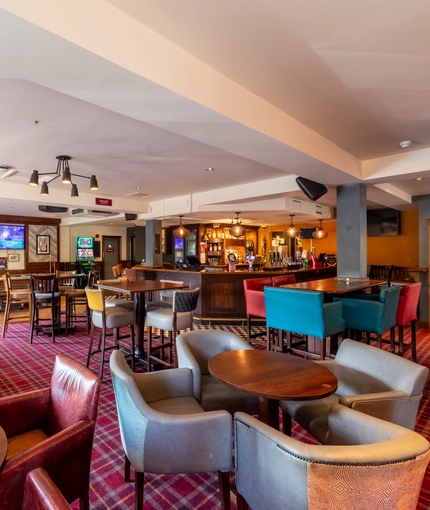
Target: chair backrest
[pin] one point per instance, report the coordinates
(185, 300)
(299, 311)
(7, 283)
(408, 304)
(254, 295)
(168, 293)
(116, 273)
(75, 394)
(66, 279)
(363, 369)
(390, 299)
(41, 493)
(131, 274)
(256, 284)
(95, 299)
(44, 283)
(284, 279)
(370, 461)
(381, 272)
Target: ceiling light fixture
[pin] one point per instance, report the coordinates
(419, 178)
(292, 231)
(181, 231)
(210, 169)
(320, 233)
(237, 230)
(405, 144)
(63, 169)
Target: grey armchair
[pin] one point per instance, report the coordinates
(368, 463)
(164, 430)
(194, 349)
(370, 380)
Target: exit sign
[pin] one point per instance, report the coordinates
(104, 201)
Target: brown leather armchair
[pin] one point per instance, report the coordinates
(52, 428)
(41, 493)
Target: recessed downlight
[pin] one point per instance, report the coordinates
(405, 144)
(419, 178)
(210, 169)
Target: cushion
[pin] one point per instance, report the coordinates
(177, 405)
(22, 442)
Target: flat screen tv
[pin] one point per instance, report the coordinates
(85, 254)
(383, 222)
(12, 237)
(85, 242)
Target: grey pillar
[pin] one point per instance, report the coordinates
(351, 231)
(423, 219)
(154, 257)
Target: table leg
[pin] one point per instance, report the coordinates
(139, 323)
(268, 411)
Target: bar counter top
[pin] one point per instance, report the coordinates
(222, 298)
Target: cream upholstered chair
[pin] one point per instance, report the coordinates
(105, 318)
(370, 380)
(194, 349)
(367, 464)
(164, 430)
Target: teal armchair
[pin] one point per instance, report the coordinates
(371, 313)
(303, 312)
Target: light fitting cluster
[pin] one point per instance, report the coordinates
(63, 169)
(237, 230)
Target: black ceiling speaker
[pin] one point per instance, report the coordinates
(54, 209)
(313, 190)
(130, 217)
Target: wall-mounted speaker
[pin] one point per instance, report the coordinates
(97, 251)
(130, 217)
(313, 190)
(52, 209)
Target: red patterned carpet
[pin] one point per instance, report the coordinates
(24, 367)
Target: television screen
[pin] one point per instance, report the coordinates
(12, 237)
(85, 242)
(85, 254)
(383, 222)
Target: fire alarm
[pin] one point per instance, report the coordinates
(97, 236)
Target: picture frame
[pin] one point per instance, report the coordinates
(13, 257)
(3, 263)
(43, 245)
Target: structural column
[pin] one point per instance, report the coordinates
(153, 253)
(351, 231)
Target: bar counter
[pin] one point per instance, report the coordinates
(222, 298)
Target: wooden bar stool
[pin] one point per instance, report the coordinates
(20, 295)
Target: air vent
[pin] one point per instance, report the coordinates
(53, 209)
(89, 213)
(139, 194)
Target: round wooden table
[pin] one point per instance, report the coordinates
(3, 446)
(272, 376)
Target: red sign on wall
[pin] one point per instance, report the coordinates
(104, 201)
(110, 250)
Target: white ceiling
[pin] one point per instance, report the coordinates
(147, 94)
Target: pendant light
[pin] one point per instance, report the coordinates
(237, 230)
(320, 233)
(181, 231)
(292, 231)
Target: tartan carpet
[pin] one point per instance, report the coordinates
(25, 366)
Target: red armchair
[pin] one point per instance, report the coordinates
(254, 300)
(406, 314)
(284, 279)
(41, 493)
(52, 428)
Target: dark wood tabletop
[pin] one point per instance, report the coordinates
(273, 375)
(334, 286)
(3, 446)
(138, 286)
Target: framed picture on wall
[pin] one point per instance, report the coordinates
(3, 263)
(43, 245)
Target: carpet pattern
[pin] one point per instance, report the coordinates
(24, 367)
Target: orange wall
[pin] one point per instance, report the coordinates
(401, 250)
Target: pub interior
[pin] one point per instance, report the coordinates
(214, 255)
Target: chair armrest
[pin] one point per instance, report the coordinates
(187, 360)
(25, 411)
(330, 364)
(350, 400)
(361, 314)
(333, 322)
(65, 456)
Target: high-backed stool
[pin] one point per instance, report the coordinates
(21, 295)
(45, 296)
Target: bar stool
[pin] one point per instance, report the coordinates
(21, 295)
(45, 296)
(113, 317)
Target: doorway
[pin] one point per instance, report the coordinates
(111, 254)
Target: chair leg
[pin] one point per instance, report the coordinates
(248, 328)
(132, 346)
(414, 341)
(84, 502)
(53, 320)
(393, 340)
(323, 346)
(127, 478)
(90, 346)
(379, 341)
(139, 481)
(149, 347)
(241, 503)
(224, 489)
(102, 353)
(286, 423)
(32, 319)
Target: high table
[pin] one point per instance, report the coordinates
(3, 446)
(335, 286)
(272, 376)
(138, 289)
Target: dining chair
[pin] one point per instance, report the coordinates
(195, 348)
(302, 312)
(373, 314)
(105, 318)
(66, 280)
(173, 320)
(164, 429)
(51, 428)
(255, 307)
(406, 314)
(45, 298)
(41, 493)
(370, 380)
(368, 463)
(18, 296)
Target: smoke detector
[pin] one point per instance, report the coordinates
(405, 144)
